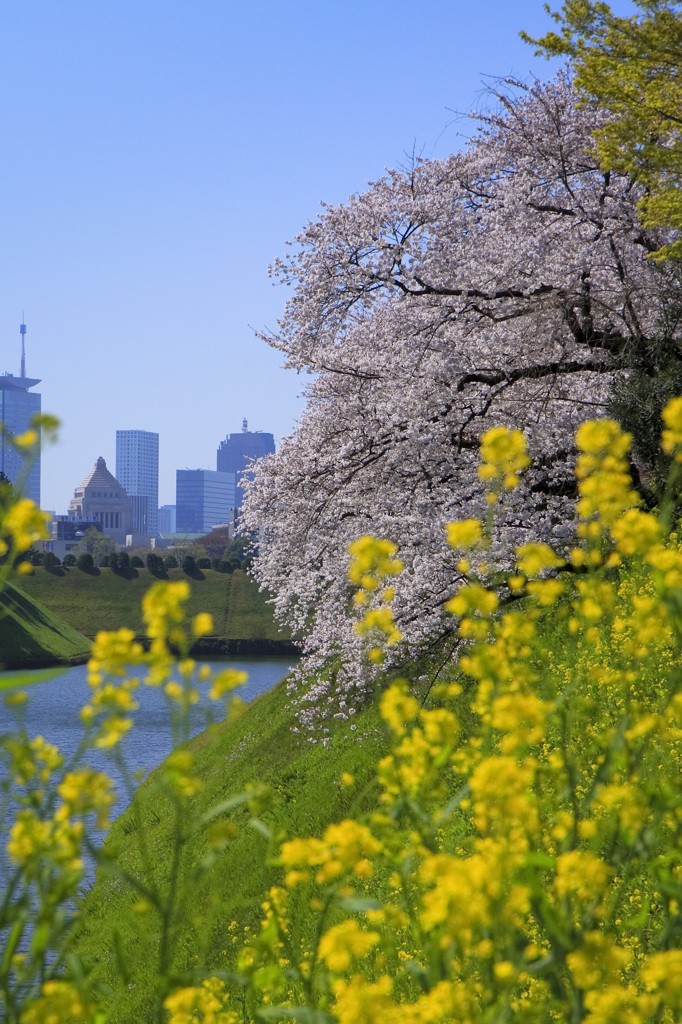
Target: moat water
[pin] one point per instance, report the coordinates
(54, 706)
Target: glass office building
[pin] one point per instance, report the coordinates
(166, 519)
(235, 452)
(137, 469)
(18, 405)
(203, 499)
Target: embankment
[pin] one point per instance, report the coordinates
(103, 599)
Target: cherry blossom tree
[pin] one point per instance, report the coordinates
(507, 284)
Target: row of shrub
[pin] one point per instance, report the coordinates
(121, 561)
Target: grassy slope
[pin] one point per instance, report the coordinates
(108, 601)
(32, 634)
(306, 795)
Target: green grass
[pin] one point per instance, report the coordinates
(33, 635)
(305, 795)
(106, 600)
(222, 907)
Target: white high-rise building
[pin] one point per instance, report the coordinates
(137, 469)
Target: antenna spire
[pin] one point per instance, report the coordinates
(22, 332)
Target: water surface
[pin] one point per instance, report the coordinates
(54, 706)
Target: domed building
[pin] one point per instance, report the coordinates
(101, 498)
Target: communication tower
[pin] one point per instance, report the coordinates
(22, 332)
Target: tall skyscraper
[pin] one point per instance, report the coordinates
(203, 499)
(236, 450)
(17, 408)
(137, 469)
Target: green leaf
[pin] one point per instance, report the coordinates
(419, 973)
(260, 826)
(539, 860)
(359, 904)
(12, 943)
(305, 1014)
(453, 804)
(14, 680)
(223, 807)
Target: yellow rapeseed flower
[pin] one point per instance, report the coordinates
(464, 534)
(60, 1002)
(202, 624)
(473, 599)
(503, 456)
(226, 681)
(534, 557)
(345, 941)
(27, 439)
(671, 439)
(85, 791)
(201, 1004)
(26, 524)
(636, 532)
(372, 559)
(361, 1002)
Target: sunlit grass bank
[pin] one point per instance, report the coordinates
(33, 635)
(107, 600)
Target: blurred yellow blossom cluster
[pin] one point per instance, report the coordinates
(603, 474)
(671, 441)
(372, 561)
(22, 523)
(200, 1003)
(503, 458)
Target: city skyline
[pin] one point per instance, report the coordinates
(130, 473)
(158, 156)
(133, 471)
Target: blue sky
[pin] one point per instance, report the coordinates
(157, 154)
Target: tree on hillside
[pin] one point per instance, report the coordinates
(120, 562)
(189, 565)
(215, 542)
(155, 563)
(95, 543)
(632, 68)
(239, 552)
(508, 284)
(51, 562)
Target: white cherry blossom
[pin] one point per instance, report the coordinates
(506, 284)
